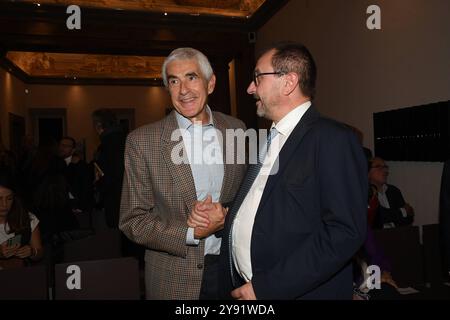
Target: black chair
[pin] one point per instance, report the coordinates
(103, 245)
(403, 249)
(115, 279)
(434, 271)
(27, 283)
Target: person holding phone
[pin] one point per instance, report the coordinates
(20, 237)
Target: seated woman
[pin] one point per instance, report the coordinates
(20, 238)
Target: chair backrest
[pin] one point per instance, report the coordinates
(403, 249)
(27, 283)
(434, 271)
(102, 245)
(98, 280)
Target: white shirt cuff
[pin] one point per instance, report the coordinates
(404, 214)
(190, 240)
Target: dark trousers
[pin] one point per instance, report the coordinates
(210, 281)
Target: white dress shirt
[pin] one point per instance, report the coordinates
(206, 160)
(245, 217)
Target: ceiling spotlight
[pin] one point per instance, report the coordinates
(74, 78)
(165, 13)
(38, 4)
(26, 91)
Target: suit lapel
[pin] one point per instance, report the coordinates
(228, 169)
(307, 121)
(181, 173)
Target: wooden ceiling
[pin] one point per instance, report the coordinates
(227, 8)
(123, 46)
(70, 65)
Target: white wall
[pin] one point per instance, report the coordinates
(360, 71)
(80, 101)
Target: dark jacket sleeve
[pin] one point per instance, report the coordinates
(394, 214)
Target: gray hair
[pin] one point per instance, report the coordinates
(188, 54)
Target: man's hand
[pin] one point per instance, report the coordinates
(206, 218)
(8, 251)
(244, 292)
(199, 214)
(409, 209)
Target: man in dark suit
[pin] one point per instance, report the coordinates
(109, 159)
(444, 219)
(295, 224)
(392, 211)
(77, 176)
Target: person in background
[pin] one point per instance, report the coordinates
(20, 237)
(392, 211)
(77, 176)
(109, 163)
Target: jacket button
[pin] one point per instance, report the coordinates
(200, 266)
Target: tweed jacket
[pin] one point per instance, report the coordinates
(157, 197)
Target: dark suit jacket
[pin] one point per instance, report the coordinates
(444, 219)
(80, 185)
(111, 161)
(392, 214)
(312, 217)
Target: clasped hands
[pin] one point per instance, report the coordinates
(15, 251)
(206, 217)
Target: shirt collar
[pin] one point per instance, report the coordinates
(185, 123)
(289, 121)
(68, 160)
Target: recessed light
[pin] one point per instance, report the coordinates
(165, 13)
(26, 91)
(38, 4)
(74, 78)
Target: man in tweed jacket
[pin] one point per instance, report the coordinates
(159, 193)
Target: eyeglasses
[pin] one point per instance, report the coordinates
(256, 75)
(381, 167)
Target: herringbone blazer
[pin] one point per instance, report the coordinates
(158, 196)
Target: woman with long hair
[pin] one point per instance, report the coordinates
(20, 237)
